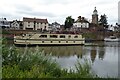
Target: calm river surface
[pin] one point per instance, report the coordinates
(104, 60)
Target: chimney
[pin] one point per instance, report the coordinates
(83, 18)
(79, 17)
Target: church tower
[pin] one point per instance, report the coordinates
(95, 16)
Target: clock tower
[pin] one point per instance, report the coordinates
(95, 16)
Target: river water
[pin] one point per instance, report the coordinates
(104, 60)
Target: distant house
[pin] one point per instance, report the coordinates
(16, 24)
(114, 28)
(111, 28)
(54, 26)
(35, 24)
(49, 27)
(81, 23)
(4, 23)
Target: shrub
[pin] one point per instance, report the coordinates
(35, 64)
(25, 62)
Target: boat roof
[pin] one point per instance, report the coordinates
(52, 33)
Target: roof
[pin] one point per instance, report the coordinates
(81, 20)
(35, 20)
(55, 23)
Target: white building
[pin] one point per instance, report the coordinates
(35, 24)
(55, 24)
(81, 23)
(4, 23)
(111, 28)
(16, 24)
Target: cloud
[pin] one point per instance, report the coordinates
(35, 13)
(10, 16)
(51, 2)
(58, 10)
(23, 7)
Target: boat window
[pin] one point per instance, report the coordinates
(51, 41)
(62, 36)
(53, 36)
(43, 36)
(59, 41)
(75, 36)
(29, 34)
(66, 41)
(42, 41)
(74, 41)
(69, 36)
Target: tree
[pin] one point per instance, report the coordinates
(69, 22)
(103, 20)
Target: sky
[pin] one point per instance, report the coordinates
(58, 10)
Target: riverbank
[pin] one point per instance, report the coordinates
(9, 35)
(35, 64)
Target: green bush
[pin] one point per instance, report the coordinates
(90, 35)
(13, 59)
(35, 64)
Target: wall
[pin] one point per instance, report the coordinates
(81, 25)
(37, 25)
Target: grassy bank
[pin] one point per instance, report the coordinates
(35, 64)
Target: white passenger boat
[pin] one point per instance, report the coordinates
(111, 38)
(49, 39)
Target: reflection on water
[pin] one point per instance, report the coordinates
(101, 53)
(104, 60)
(93, 55)
(64, 51)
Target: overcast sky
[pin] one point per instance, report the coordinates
(58, 10)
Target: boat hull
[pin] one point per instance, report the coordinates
(24, 45)
(49, 42)
(111, 40)
(49, 39)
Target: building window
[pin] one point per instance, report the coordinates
(62, 36)
(40, 29)
(45, 27)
